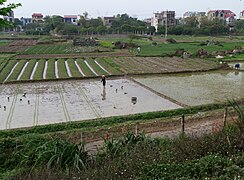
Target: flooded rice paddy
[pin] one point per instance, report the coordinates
(233, 65)
(65, 101)
(198, 88)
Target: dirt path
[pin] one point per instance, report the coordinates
(196, 125)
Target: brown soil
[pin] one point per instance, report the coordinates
(24, 43)
(13, 49)
(195, 125)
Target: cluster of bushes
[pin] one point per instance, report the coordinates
(130, 157)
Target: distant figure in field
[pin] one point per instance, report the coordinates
(4, 107)
(8, 99)
(103, 80)
(24, 95)
(237, 66)
(28, 101)
(138, 50)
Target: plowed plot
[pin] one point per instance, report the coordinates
(12, 49)
(141, 65)
(23, 43)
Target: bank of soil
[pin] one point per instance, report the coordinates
(195, 125)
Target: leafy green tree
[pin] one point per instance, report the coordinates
(191, 22)
(53, 23)
(151, 30)
(101, 29)
(239, 26)
(5, 10)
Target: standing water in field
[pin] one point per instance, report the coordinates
(198, 88)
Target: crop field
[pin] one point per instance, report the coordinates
(64, 49)
(39, 69)
(12, 49)
(57, 102)
(164, 49)
(139, 65)
(23, 43)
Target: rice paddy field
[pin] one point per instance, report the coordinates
(65, 101)
(198, 88)
(81, 96)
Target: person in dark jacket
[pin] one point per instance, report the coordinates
(103, 80)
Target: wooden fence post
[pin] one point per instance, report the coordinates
(225, 116)
(136, 129)
(183, 123)
(81, 137)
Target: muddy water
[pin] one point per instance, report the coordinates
(233, 65)
(65, 101)
(198, 88)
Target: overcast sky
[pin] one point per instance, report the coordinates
(136, 8)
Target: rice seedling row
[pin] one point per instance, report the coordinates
(97, 68)
(5, 73)
(73, 68)
(22, 71)
(62, 71)
(29, 69)
(50, 74)
(87, 71)
(39, 71)
(17, 70)
(107, 64)
(67, 68)
(89, 66)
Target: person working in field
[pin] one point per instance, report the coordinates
(103, 80)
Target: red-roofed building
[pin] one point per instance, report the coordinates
(37, 18)
(72, 19)
(227, 15)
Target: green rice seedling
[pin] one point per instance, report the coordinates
(27, 73)
(5, 72)
(109, 65)
(51, 69)
(39, 71)
(96, 68)
(85, 68)
(17, 70)
(62, 71)
(74, 70)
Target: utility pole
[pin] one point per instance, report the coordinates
(166, 25)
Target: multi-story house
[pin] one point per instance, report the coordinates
(107, 21)
(193, 14)
(227, 15)
(37, 18)
(25, 21)
(163, 18)
(72, 19)
(242, 15)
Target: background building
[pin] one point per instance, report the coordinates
(71, 19)
(163, 18)
(37, 18)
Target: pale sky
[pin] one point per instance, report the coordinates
(136, 8)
